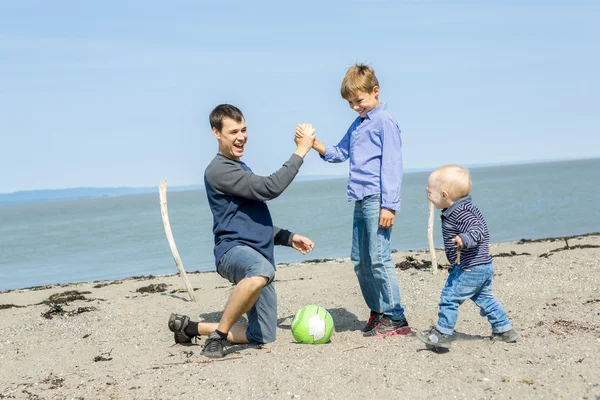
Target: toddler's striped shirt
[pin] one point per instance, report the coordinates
(463, 218)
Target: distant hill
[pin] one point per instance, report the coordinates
(43, 196)
(48, 195)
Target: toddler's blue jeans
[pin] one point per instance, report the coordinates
(474, 283)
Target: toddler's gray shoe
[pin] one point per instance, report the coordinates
(177, 324)
(434, 338)
(508, 336)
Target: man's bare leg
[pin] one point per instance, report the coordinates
(242, 299)
(237, 333)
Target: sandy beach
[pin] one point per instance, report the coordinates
(107, 340)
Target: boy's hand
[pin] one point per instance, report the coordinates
(304, 138)
(302, 244)
(459, 242)
(386, 218)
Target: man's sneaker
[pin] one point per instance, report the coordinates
(508, 337)
(373, 321)
(434, 338)
(388, 327)
(177, 324)
(213, 347)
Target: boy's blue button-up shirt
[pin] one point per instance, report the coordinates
(374, 147)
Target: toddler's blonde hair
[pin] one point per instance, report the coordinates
(455, 180)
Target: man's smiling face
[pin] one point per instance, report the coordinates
(232, 138)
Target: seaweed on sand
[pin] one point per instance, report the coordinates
(153, 288)
(66, 297)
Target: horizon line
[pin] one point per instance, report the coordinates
(308, 177)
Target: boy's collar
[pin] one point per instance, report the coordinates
(447, 211)
(376, 110)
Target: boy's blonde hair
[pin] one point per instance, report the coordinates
(358, 78)
(455, 180)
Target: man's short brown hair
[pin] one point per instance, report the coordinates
(224, 111)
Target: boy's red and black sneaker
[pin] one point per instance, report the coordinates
(373, 321)
(389, 327)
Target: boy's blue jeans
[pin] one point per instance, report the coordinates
(371, 256)
(475, 283)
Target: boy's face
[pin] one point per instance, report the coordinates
(232, 138)
(435, 194)
(365, 102)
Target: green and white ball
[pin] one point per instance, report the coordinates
(312, 325)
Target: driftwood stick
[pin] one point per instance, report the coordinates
(354, 348)
(162, 191)
(203, 361)
(434, 266)
(457, 256)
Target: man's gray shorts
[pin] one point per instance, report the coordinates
(243, 262)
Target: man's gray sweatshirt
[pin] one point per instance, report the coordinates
(237, 199)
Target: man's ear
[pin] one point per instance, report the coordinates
(216, 133)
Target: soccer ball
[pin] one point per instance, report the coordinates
(312, 325)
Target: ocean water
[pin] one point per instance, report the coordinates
(117, 237)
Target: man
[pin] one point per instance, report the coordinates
(244, 236)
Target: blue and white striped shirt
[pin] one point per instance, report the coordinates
(374, 147)
(464, 219)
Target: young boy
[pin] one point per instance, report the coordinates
(464, 230)
(374, 147)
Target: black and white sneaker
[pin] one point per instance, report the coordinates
(177, 324)
(214, 346)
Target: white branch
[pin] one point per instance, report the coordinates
(162, 191)
(434, 266)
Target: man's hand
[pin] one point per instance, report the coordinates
(386, 218)
(300, 129)
(304, 138)
(459, 242)
(302, 244)
(317, 145)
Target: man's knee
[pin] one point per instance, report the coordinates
(269, 338)
(256, 282)
(261, 337)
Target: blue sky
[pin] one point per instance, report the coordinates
(117, 93)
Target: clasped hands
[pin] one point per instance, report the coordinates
(304, 138)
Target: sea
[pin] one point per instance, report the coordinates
(110, 238)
